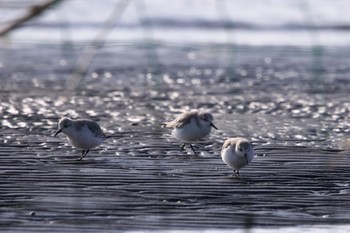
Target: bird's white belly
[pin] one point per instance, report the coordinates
(85, 139)
(232, 159)
(191, 132)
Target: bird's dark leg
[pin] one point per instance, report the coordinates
(83, 153)
(236, 172)
(193, 149)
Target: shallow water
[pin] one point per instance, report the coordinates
(292, 104)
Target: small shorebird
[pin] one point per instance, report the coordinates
(191, 126)
(237, 153)
(82, 134)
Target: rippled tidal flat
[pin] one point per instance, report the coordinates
(293, 103)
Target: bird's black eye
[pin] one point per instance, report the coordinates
(240, 149)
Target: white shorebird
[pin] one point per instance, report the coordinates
(237, 153)
(191, 126)
(82, 134)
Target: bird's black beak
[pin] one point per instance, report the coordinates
(212, 125)
(58, 131)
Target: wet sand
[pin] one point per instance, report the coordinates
(291, 102)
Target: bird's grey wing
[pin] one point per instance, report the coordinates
(181, 120)
(230, 142)
(95, 128)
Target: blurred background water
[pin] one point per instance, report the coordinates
(253, 22)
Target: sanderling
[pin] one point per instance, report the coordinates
(237, 153)
(191, 126)
(82, 134)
